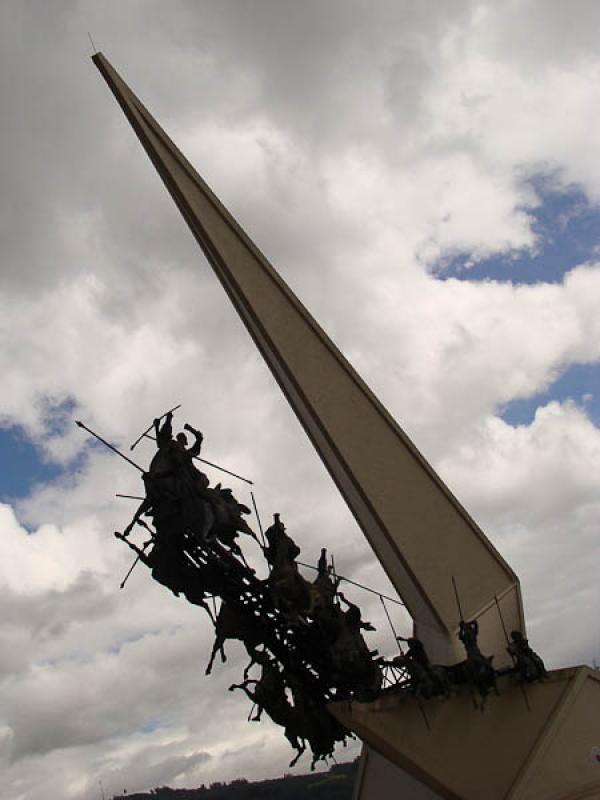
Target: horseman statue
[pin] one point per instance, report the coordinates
(178, 495)
(304, 637)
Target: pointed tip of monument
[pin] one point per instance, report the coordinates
(94, 48)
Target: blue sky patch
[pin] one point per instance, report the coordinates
(22, 465)
(151, 726)
(567, 227)
(580, 383)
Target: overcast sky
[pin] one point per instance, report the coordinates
(426, 177)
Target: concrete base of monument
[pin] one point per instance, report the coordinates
(537, 743)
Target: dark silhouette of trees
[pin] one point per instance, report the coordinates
(336, 784)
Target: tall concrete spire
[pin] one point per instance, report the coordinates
(419, 531)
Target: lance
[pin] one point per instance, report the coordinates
(260, 527)
(222, 469)
(502, 620)
(130, 496)
(131, 545)
(354, 583)
(139, 552)
(110, 446)
(462, 619)
(210, 463)
(419, 701)
(389, 619)
(139, 439)
(131, 568)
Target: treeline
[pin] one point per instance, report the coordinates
(336, 784)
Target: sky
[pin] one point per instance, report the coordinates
(425, 177)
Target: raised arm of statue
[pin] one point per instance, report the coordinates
(164, 435)
(194, 450)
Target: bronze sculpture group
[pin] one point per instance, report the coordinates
(304, 638)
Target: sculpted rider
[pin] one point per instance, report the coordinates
(467, 633)
(415, 650)
(181, 455)
(529, 665)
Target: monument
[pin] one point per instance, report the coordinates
(535, 741)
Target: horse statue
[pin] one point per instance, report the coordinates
(232, 623)
(426, 682)
(351, 660)
(269, 694)
(312, 722)
(228, 522)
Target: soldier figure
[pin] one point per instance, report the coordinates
(289, 591)
(181, 455)
(477, 669)
(427, 680)
(416, 650)
(281, 547)
(325, 584)
(322, 563)
(467, 633)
